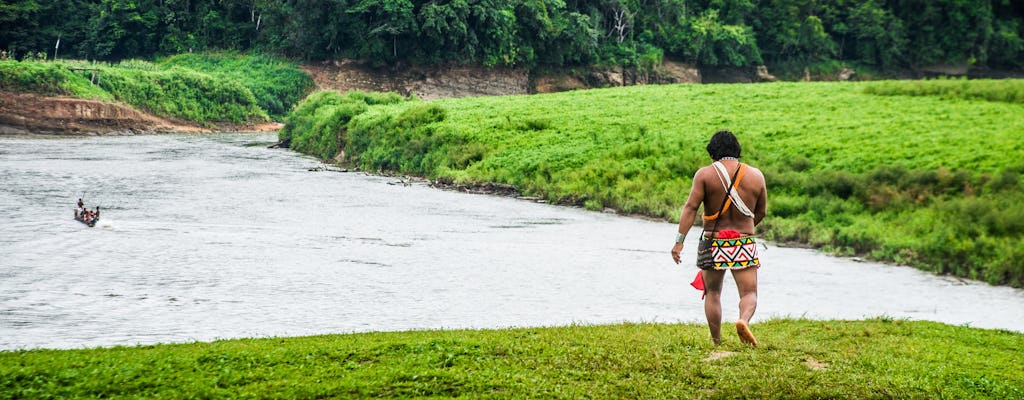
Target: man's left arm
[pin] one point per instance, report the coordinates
(762, 202)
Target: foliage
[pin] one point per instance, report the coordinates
(874, 34)
(402, 141)
(205, 88)
(183, 93)
(946, 30)
(719, 44)
(878, 358)
(317, 124)
(927, 181)
(276, 84)
(47, 78)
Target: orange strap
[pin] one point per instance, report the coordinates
(728, 200)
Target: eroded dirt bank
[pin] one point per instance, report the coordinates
(25, 113)
(450, 81)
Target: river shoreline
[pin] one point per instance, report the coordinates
(34, 114)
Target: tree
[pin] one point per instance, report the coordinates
(444, 29)
(620, 20)
(719, 44)
(386, 18)
(875, 35)
(945, 31)
(20, 26)
(123, 29)
(492, 24)
(793, 31)
(1007, 47)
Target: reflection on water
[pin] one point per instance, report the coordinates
(207, 237)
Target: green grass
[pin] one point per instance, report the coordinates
(879, 358)
(1010, 91)
(47, 79)
(277, 84)
(204, 88)
(929, 181)
(183, 93)
(317, 123)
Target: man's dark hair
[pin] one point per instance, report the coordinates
(724, 144)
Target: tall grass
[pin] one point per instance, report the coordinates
(49, 79)
(879, 358)
(183, 93)
(317, 125)
(920, 180)
(277, 84)
(1010, 91)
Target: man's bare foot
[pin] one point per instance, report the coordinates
(746, 336)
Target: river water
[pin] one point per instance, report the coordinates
(207, 237)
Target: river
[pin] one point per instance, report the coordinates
(207, 237)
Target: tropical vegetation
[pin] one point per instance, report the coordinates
(922, 173)
(204, 88)
(784, 34)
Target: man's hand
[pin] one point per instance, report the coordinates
(675, 252)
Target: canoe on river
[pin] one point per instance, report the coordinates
(82, 217)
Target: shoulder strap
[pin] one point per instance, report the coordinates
(724, 201)
(728, 194)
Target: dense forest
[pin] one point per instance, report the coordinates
(876, 34)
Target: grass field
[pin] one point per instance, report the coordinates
(879, 358)
(913, 174)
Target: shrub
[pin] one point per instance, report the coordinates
(183, 93)
(318, 125)
(276, 84)
(47, 78)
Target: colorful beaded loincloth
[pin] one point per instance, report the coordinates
(738, 253)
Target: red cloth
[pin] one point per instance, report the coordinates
(728, 234)
(698, 282)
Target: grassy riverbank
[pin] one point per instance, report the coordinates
(202, 88)
(924, 177)
(798, 359)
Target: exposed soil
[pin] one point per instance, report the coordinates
(452, 81)
(444, 81)
(25, 113)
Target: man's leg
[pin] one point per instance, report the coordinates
(746, 283)
(713, 302)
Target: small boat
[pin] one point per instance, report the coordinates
(81, 216)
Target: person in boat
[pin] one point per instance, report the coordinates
(97, 213)
(81, 205)
(734, 247)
